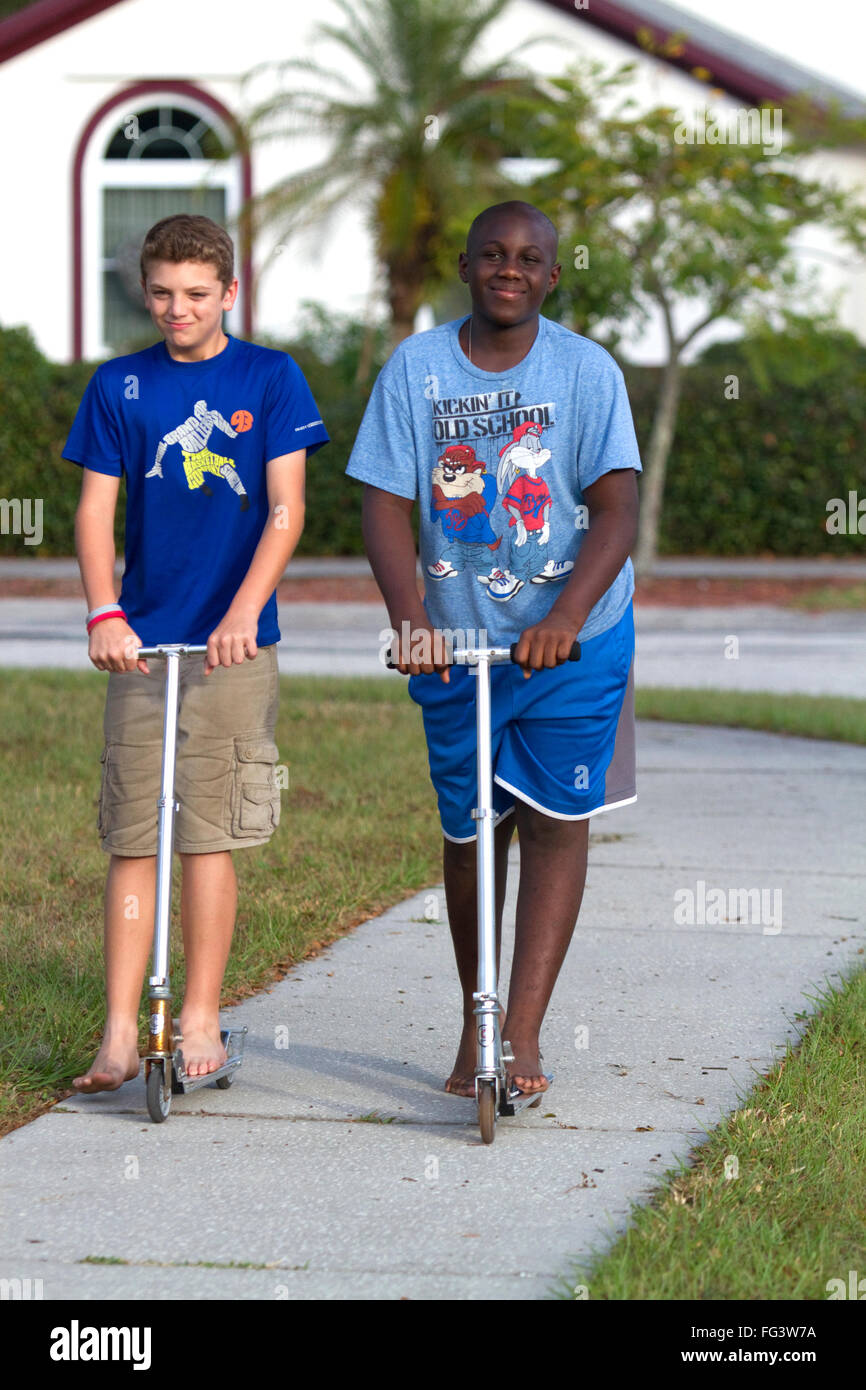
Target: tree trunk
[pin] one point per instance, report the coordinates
(653, 485)
(408, 271)
(401, 328)
(365, 356)
(405, 296)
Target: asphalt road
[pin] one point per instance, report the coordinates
(753, 647)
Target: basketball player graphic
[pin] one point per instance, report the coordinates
(193, 436)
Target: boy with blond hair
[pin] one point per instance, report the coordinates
(211, 434)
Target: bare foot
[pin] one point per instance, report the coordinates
(202, 1049)
(461, 1082)
(113, 1066)
(525, 1071)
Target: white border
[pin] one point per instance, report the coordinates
(558, 815)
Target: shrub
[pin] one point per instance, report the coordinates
(746, 476)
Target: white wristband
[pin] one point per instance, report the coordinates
(106, 608)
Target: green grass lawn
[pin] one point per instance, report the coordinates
(826, 598)
(794, 1217)
(789, 1214)
(358, 832)
(807, 716)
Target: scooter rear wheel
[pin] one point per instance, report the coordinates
(487, 1110)
(158, 1103)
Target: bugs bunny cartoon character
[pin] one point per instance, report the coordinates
(526, 497)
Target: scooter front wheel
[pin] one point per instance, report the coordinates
(158, 1103)
(487, 1110)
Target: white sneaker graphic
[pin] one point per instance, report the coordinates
(506, 587)
(441, 570)
(554, 569)
(489, 578)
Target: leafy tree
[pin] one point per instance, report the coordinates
(656, 221)
(420, 148)
(697, 231)
(798, 351)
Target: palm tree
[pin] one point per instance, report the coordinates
(421, 148)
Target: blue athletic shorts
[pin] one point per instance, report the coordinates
(562, 741)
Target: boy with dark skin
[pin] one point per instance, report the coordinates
(510, 266)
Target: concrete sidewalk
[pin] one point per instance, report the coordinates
(655, 1026)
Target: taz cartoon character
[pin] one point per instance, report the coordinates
(528, 502)
(462, 498)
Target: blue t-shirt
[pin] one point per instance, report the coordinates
(500, 461)
(194, 440)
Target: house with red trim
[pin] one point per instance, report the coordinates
(118, 112)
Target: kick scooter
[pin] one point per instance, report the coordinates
(493, 1093)
(164, 1070)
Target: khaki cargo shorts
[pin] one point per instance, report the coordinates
(226, 755)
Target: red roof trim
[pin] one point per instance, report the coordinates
(123, 97)
(42, 21)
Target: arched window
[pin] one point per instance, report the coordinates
(165, 132)
(159, 156)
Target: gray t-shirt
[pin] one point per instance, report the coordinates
(499, 462)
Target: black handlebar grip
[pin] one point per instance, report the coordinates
(573, 655)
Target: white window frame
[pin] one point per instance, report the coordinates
(99, 173)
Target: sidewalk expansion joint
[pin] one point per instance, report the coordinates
(403, 1122)
(113, 1261)
(235, 1265)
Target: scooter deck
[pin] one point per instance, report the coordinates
(232, 1040)
(512, 1102)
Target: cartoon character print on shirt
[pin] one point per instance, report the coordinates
(193, 437)
(527, 500)
(462, 497)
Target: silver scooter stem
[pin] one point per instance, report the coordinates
(167, 808)
(488, 1018)
(165, 1070)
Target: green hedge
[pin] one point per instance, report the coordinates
(332, 524)
(38, 400)
(754, 475)
(746, 476)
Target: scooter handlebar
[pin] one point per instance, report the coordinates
(573, 655)
(497, 655)
(182, 647)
